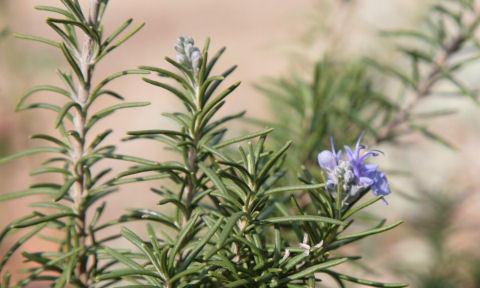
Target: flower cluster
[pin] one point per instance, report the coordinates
(188, 54)
(352, 172)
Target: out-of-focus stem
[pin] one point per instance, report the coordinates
(425, 85)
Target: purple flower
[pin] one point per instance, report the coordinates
(355, 174)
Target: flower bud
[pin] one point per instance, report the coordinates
(187, 54)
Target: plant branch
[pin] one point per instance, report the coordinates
(86, 60)
(425, 85)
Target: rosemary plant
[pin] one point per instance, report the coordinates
(438, 53)
(345, 97)
(237, 220)
(71, 207)
(228, 229)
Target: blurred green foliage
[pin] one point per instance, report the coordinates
(436, 225)
(338, 101)
(385, 98)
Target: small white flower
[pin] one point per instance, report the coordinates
(285, 255)
(306, 247)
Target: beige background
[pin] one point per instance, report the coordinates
(264, 38)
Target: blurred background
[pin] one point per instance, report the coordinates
(436, 189)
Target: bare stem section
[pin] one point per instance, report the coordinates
(80, 190)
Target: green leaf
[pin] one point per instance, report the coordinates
(359, 207)
(227, 229)
(99, 139)
(45, 106)
(6, 280)
(343, 240)
(463, 89)
(152, 168)
(213, 103)
(370, 232)
(273, 159)
(170, 133)
(294, 188)
(28, 223)
(221, 121)
(411, 34)
(65, 189)
(107, 111)
(19, 243)
(302, 218)
(109, 79)
(184, 98)
(75, 8)
(214, 177)
(51, 205)
(238, 283)
(69, 24)
(216, 84)
(316, 268)
(117, 32)
(146, 214)
(138, 286)
(65, 110)
(180, 67)
(226, 232)
(26, 193)
(127, 272)
(55, 10)
(166, 73)
(41, 88)
(46, 170)
(30, 152)
(123, 259)
(201, 243)
(394, 72)
(367, 282)
(50, 139)
(214, 60)
(137, 241)
(38, 39)
(186, 272)
(73, 62)
(131, 159)
(242, 138)
(124, 39)
(181, 239)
